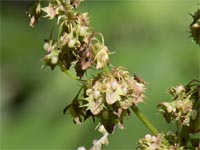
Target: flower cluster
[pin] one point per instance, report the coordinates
(178, 110)
(77, 44)
(195, 27)
(184, 108)
(151, 142)
(109, 97)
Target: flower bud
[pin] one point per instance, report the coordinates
(96, 94)
(196, 25)
(54, 60)
(71, 43)
(114, 85)
(88, 92)
(46, 46)
(170, 109)
(83, 30)
(148, 137)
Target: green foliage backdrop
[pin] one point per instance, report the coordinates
(150, 38)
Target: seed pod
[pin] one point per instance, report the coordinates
(195, 27)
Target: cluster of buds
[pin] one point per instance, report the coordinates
(195, 27)
(185, 107)
(77, 44)
(151, 142)
(109, 97)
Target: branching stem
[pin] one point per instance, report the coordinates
(146, 122)
(144, 119)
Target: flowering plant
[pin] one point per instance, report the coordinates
(114, 93)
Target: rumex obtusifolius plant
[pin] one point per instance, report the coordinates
(113, 93)
(110, 93)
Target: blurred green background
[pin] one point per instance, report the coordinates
(149, 37)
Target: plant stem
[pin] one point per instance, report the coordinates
(71, 76)
(146, 122)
